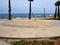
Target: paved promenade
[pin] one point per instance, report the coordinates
(29, 28)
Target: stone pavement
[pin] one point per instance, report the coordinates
(17, 30)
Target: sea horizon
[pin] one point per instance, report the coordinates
(26, 15)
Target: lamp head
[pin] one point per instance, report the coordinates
(57, 3)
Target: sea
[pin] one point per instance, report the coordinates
(5, 16)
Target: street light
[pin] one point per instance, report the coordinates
(44, 13)
(30, 9)
(57, 4)
(9, 11)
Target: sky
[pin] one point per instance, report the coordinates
(22, 6)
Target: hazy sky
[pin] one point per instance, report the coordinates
(22, 6)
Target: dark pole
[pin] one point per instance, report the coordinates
(30, 10)
(9, 18)
(55, 12)
(58, 12)
(44, 13)
(58, 8)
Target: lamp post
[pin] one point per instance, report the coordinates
(9, 11)
(57, 4)
(30, 9)
(44, 13)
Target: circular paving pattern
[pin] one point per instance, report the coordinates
(29, 28)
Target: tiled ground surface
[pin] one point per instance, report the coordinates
(29, 28)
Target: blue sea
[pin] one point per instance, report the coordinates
(5, 16)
